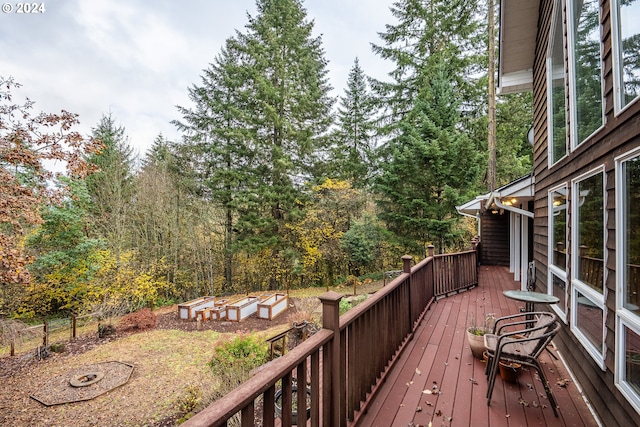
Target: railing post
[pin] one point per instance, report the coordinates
(406, 263)
(406, 268)
(431, 250)
(332, 374)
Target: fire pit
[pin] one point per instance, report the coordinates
(83, 383)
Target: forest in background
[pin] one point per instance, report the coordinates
(274, 185)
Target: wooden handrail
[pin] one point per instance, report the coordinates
(346, 361)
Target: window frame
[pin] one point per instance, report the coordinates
(625, 319)
(616, 47)
(553, 270)
(558, 7)
(573, 119)
(578, 286)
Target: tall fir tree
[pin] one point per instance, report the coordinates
(428, 31)
(111, 187)
(220, 143)
(426, 168)
(289, 111)
(353, 141)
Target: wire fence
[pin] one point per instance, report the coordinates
(42, 336)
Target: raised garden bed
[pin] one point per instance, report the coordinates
(187, 310)
(273, 306)
(242, 308)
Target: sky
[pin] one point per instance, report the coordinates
(136, 59)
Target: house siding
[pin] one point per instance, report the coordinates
(619, 135)
(494, 229)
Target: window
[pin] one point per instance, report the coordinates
(588, 272)
(557, 248)
(626, 45)
(628, 276)
(556, 97)
(585, 69)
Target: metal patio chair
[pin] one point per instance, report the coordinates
(513, 341)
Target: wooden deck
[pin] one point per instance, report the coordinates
(437, 379)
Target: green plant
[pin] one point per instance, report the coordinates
(57, 347)
(234, 359)
(190, 400)
(479, 330)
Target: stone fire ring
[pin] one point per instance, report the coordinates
(83, 383)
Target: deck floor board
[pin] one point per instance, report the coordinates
(438, 358)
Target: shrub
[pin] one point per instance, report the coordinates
(139, 320)
(233, 360)
(187, 403)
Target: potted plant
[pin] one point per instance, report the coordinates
(294, 406)
(475, 335)
(509, 371)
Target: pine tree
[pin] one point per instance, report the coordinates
(353, 141)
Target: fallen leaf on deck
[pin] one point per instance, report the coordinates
(418, 371)
(428, 403)
(427, 392)
(535, 404)
(438, 413)
(473, 381)
(562, 382)
(447, 418)
(523, 402)
(419, 409)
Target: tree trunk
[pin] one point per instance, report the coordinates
(492, 164)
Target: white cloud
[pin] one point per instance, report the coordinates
(137, 58)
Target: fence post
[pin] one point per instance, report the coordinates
(331, 365)
(431, 250)
(73, 326)
(45, 337)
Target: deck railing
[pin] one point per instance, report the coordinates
(338, 369)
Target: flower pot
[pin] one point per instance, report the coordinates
(475, 337)
(509, 371)
(294, 412)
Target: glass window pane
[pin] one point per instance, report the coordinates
(586, 67)
(632, 234)
(560, 291)
(559, 226)
(558, 99)
(590, 232)
(632, 353)
(589, 320)
(629, 11)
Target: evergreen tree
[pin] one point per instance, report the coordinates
(428, 32)
(425, 170)
(288, 109)
(352, 149)
(219, 142)
(63, 253)
(111, 187)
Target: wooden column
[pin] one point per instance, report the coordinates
(333, 394)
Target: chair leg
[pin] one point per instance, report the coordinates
(547, 389)
(492, 377)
